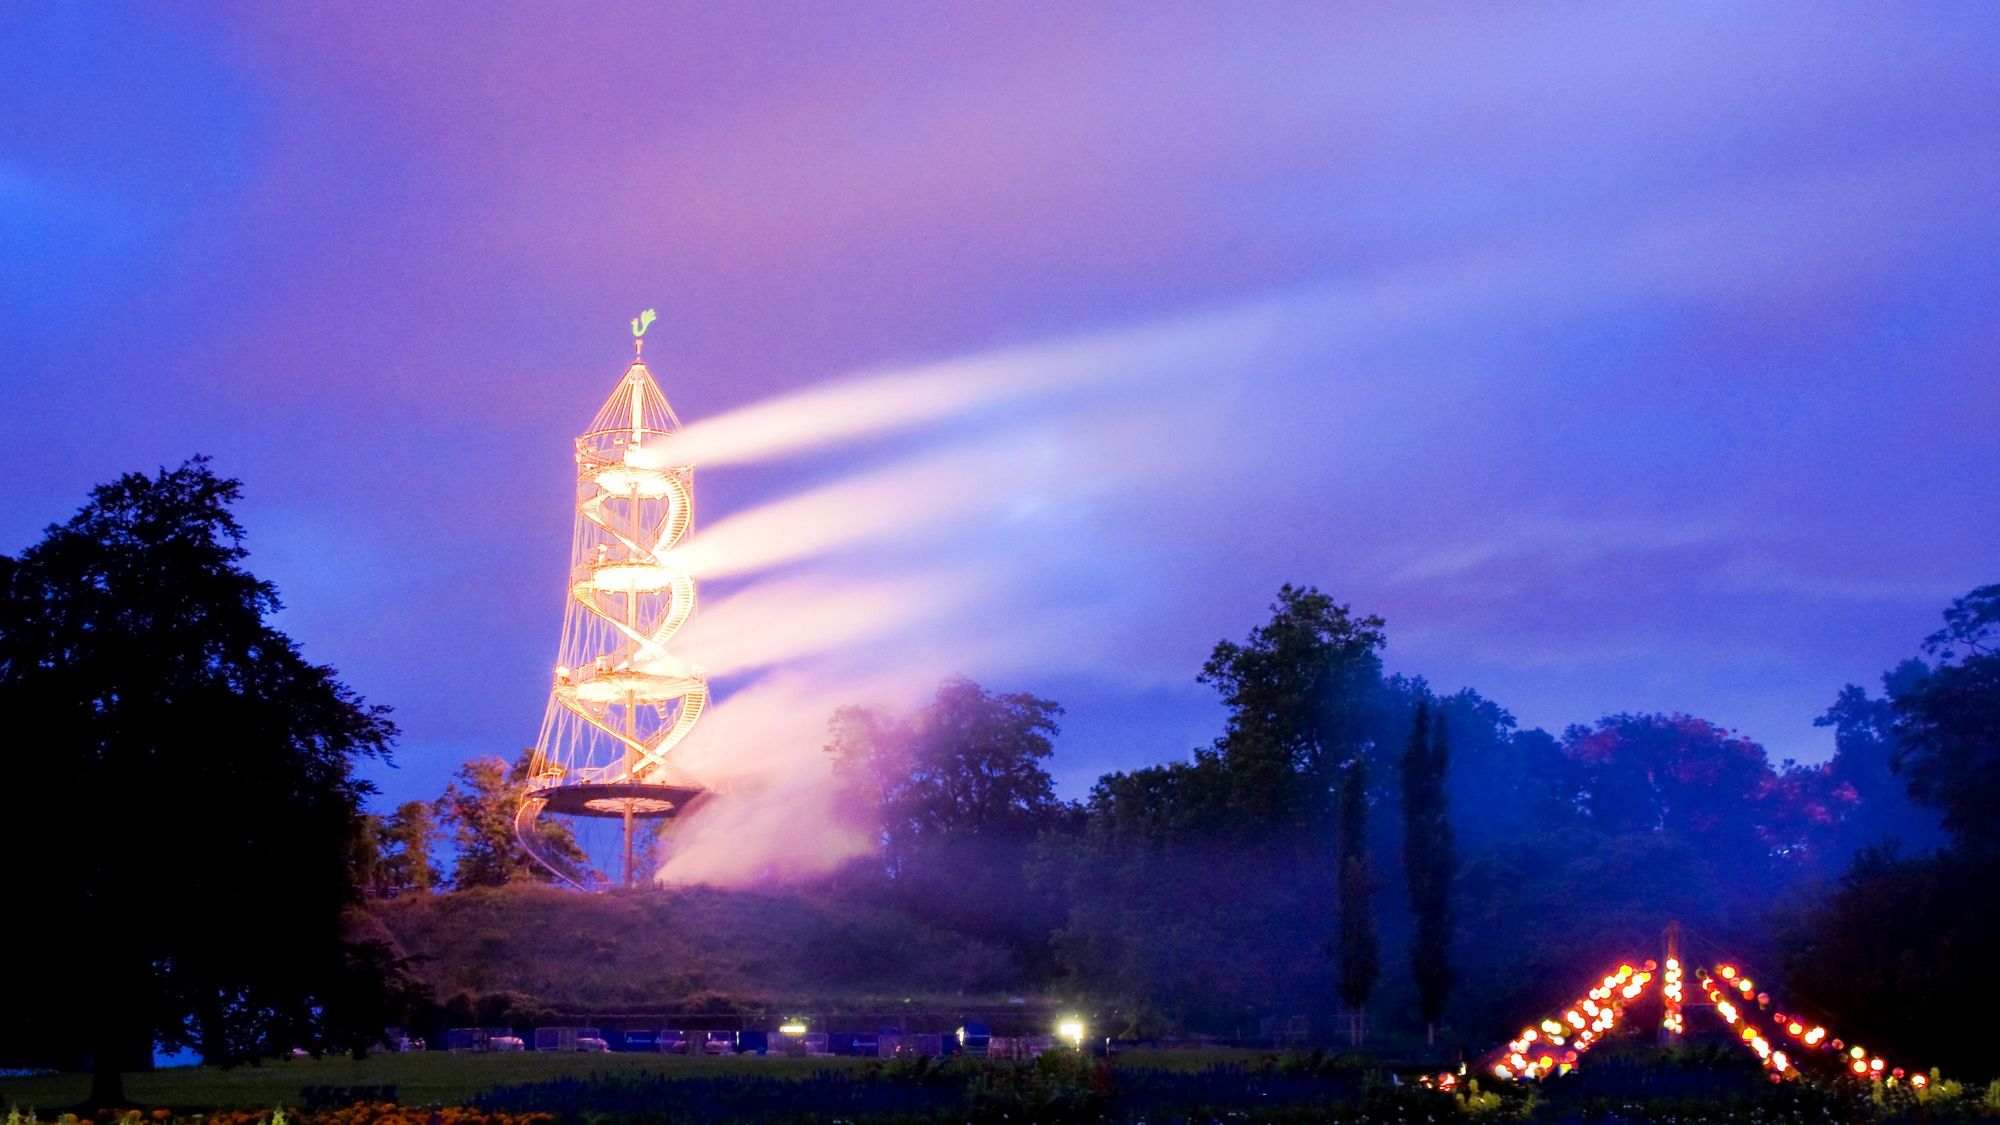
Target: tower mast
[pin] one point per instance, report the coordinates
(632, 595)
(621, 701)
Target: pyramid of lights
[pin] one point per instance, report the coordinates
(621, 701)
(1787, 1045)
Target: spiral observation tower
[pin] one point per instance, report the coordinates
(621, 700)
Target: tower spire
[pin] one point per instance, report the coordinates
(639, 325)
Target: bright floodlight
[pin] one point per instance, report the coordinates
(620, 703)
(1071, 1030)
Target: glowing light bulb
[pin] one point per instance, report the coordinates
(1072, 1030)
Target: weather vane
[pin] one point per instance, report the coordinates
(639, 325)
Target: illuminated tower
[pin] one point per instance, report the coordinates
(621, 701)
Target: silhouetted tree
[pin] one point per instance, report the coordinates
(1173, 911)
(185, 805)
(1208, 891)
(479, 806)
(1429, 864)
(956, 792)
(1903, 952)
(1515, 778)
(1674, 774)
(966, 766)
(364, 854)
(1359, 955)
(1947, 724)
(406, 839)
(1863, 768)
(1904, 947)
(1301, 693)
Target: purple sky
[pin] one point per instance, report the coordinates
(1623, 360)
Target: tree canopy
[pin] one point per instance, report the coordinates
(1905, 942)
(479, 807)
(1947, 723)
(185, 797)
(966, 766)
(956, 792)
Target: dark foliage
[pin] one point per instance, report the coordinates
(1429, 862)
(1905, 944)
(1947, 724)
(185, 809)
(1359, 951)
(957, 793)
(1056, 1088)
(479, 807)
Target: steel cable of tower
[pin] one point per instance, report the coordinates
(620, 701)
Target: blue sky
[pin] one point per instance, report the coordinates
(1624, 358)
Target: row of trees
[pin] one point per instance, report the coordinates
(1194, 891)
(1247, 879)
(1905, 941)
(398, 853)
(178, 757)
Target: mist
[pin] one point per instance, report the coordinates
(1080, 507)
(988, 542)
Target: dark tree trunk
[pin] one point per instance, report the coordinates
(107, 1077)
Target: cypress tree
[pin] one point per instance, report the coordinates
(1428, 863)
(1359, 960)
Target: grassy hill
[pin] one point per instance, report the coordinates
(654, 949)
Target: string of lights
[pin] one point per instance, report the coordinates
(1729, 985)
(1555, 1045)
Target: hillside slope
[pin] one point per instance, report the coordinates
(654, 949)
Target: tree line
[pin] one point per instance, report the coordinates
(1356, 851)
(1252, 880)
(473, 820)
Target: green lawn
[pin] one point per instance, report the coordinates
(442, 1078)
(428, 1078)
